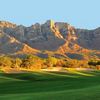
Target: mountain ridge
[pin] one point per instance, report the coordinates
(55, 37)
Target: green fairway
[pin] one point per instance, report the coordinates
(50, 86)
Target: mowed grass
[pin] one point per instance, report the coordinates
(50, 86)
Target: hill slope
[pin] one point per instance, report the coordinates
(50, 85)
(58, 37)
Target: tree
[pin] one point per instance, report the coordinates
(51, 61)
(98, 62)
(92, 62)
(5, 61)
(28, 62)
(16, 63)
(32, 62)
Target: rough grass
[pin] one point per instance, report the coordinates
(50, 86)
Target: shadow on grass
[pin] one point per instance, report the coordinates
(37, 76)
(48, 76)
(45, 82)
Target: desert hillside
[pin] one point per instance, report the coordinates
(49, 38)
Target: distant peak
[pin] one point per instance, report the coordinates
(7, 24)
(50, 23)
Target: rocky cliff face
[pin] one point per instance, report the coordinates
(51, 36)
(89, 39)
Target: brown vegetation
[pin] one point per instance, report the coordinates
(31, 62)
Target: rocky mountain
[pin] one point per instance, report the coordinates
(51, 37)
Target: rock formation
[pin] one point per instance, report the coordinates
(56, 37)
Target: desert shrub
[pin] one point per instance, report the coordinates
(28, 62)
(32, 62)
(5, 61)
(70, 63)
(98, 62)
(16, 63)
(94, 62)
(51, 62)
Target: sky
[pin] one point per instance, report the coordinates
(78, 13)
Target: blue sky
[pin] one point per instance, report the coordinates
(79, 13)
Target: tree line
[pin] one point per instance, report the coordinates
(35, 62)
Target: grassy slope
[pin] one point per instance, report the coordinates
(50, 86)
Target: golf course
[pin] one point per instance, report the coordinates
(72, 85)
